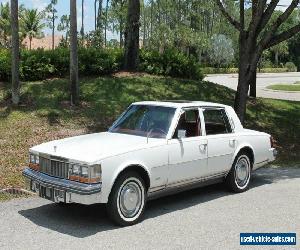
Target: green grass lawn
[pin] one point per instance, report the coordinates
(286, 87)
(45, 113)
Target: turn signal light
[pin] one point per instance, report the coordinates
(34, 166)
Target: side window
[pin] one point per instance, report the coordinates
(190, 122)
(216, 122)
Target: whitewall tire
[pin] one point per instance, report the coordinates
(127, 200)
(238, 179)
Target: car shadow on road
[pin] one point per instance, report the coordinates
(83, 221)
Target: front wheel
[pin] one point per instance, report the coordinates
(127, 200)
(238, 179)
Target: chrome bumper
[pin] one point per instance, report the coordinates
(62, 190)
(273, 154)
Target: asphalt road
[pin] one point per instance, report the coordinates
(263, 80)
(206, 218)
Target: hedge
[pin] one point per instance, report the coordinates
(42, 64)
(171, 63)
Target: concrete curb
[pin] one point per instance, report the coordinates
(281, 91)
(18, 191)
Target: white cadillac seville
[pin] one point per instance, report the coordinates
(153, 149)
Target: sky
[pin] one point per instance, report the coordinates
(63, 7)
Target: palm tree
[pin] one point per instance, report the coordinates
(73, 54)
(5, 28)
(32, 24)
(15, 51)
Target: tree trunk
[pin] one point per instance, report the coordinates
(276, 58)
(151, 19)
(253, 84)
(144, 25)
(82, 21)
(248, 59)
(53, 28)
(121, 38)
(132, 36)
(30, 40)
(99, 21)
(106, 21)
(243, 86)
(73, 54)
(95, 13)
(15, 52)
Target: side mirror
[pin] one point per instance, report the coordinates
(181, 133)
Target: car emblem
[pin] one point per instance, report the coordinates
(55, 147)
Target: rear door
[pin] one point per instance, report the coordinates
(221, 141)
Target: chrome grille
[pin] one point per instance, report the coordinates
(54, 166)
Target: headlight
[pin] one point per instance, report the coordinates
(34, 162)
(85, 174)
(74, 172)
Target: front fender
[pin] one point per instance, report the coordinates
(111, 174)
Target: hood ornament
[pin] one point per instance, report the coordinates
(55, 147)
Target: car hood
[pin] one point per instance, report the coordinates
(91, 148)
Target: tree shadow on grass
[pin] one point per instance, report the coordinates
(83, 221)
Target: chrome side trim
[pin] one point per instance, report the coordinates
(196, 179)
(177, 189)
(62, 184)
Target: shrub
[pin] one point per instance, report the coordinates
(41, 64)
(291, 67)
(211, 70)
(273, 70)
(221, 52)
(170, 63)
(5, 65)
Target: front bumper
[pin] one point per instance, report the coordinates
(62, 190)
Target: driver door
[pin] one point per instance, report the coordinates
(188, 155)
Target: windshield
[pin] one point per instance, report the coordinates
(145, 120)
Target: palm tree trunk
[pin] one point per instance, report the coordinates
(53, 29)
(82, 21)
(95, 13)
(30, 40)
(99, 21)
(106, 21)
(15, 52)
(73, 54)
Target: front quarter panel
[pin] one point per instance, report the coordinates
(153, 159)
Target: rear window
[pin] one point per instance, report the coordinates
(216, 122)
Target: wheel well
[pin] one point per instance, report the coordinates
(249, 152)
(140, 170)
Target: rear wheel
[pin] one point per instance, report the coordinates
(127, 200)
(238, 179)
